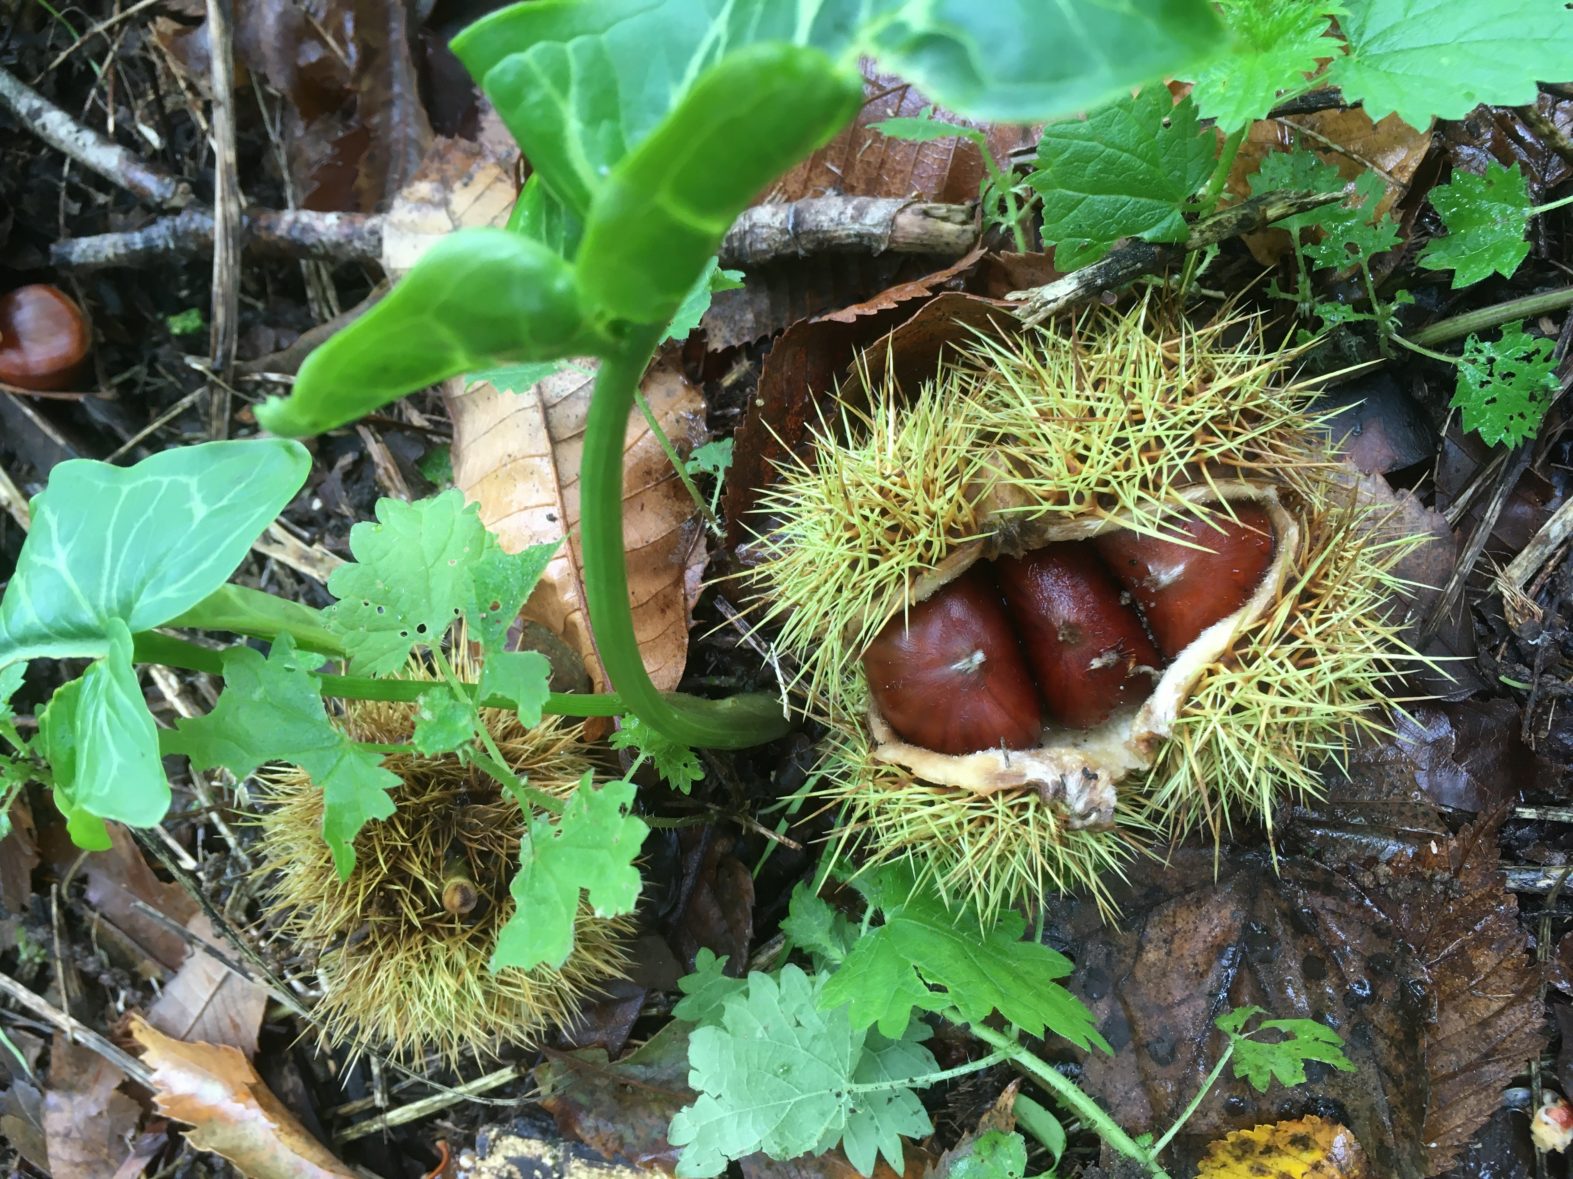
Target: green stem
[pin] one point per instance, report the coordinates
(923, 1082)
(1007, 193)
(1185, 1114)
(1551, 206)
(1460, 326)
(677, 464)
(526, 794)
(1211, 195)
(735, 723)
(1421, 350)
(1086, 1108)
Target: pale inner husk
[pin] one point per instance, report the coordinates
(1078, 770)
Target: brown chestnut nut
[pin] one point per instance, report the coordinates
(1087, 648)
(1182, 591)
(950, 675)
(44, 338)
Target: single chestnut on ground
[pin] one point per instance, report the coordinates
(44, 338)
(1183, 589)
(950, 675)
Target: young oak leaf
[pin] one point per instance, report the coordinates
(1505, 386)
(1485, 218)
(1275, 45)
(416, 569)
(1425, 58)
(977, 969)
(1126, 171)
(590, 849)
(271, 710)
(677, 764)
(782, 1075)
(1260, 1062)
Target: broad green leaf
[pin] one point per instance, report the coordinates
(523, 678)
(411, 578)
(271, 710)
(10, 681)
(247, 611)
(977, 970)
(658, 218)
(57, 744)
(477, 299)
(1273, 45)
(1485, 218)
(1505, 386)
(141, 544)
(1260, 1062)
(590, 850)
(1041, 1124)
(1126, 171)
(775, 1075)
(677, 764)
(1442, 58)
(102, 746)
(706, 990)
(499, 584)
(443, 722)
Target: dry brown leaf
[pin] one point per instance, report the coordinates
(118, 878)
(517, 455)
(88, 1122)
(1306, 1148)
(458, 185)
(206, 1001)
(213, 1088)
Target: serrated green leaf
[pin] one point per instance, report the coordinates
(697, 301)
(776, 1074)
(713, 458)
(411, 578)
(590, 850)
(10, 680)
(523, 678)
(818, 927)
(677, 764)
(1273, 45)
(1126, 171)
(1440, 58)
(142, 544)
(1485, 218)
(499, 584)
(1505, 386)
(977, 970)
(443, 722)
(994, 1154)
(271, 710)
(1299, 170)
(706, 990)
(1260, 1062)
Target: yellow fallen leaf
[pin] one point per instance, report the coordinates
(214, 1089)
(1307, 1148)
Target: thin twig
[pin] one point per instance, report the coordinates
(289, 233)
(14, 502)
(74, 1030)
(430, 1105)
(87, 147)
(225, 328)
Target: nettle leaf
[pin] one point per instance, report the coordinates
(271, 710)
(417, 568)
(107, 744)
(1126, 171)
(589, 850)
(523, 678)
(1261, 1062)
(1299, 170)
(478, 298)
(1485, 218)
(677, 764)
(713, 458)
(975, 969)
(1274, 45)
(777, 1075)
(1349, 237)
(1505, 386)
(141, 544)
(1425, 58)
